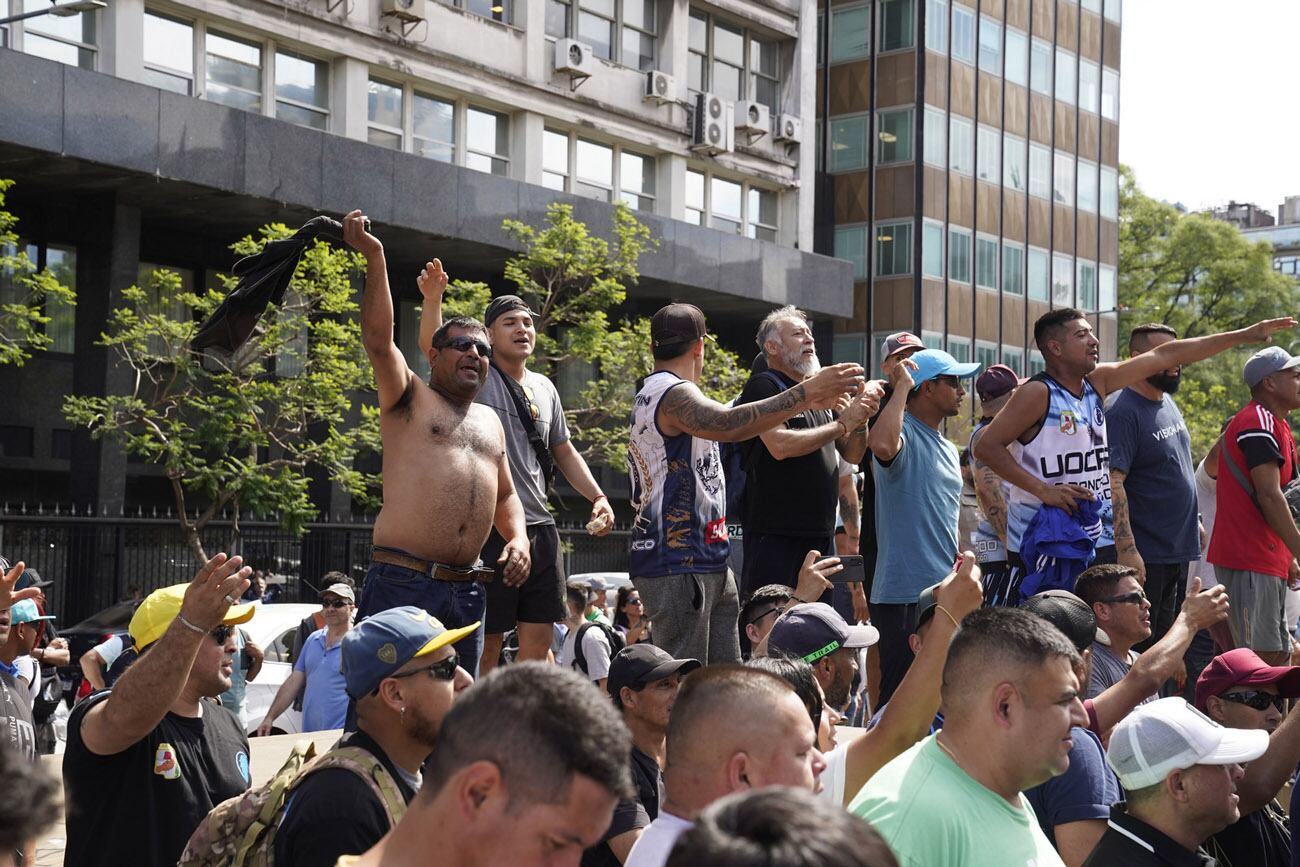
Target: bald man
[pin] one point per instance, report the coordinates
(1010, 696)
(733, 729)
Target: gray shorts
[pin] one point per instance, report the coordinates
(1256, 609)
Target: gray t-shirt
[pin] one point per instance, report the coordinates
(1108, 670)
(544, 401)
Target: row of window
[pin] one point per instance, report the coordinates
(621, 31)
(730, 206)
(849, 348)
(62, 264)
(732, 62)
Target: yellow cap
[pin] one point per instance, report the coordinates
(160, 608)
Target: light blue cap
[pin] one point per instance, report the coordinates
(935, 362)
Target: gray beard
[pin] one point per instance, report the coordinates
(804, 367)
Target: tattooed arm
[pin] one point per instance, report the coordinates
(988, 491)
(1126, 552)
(685, 409)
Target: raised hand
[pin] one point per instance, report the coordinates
(355, 233)
(824, 388)
(961, 592)
(1204, 608)
(217, 586)
(432, 281)
(901, 376)
(1262, 330)
(812, 581)
(8, 596)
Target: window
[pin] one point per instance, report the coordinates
(173, 309)
(1013, 268)
(848, 143)
(1089, 86)
(1040, 171)
(1017, 62)
(959, 348)
(1086, 279)
(1040, 67)
(1112, 10)
(851, 245)
(760, 216)
(636, 180)
(896, 24)
(1036, 363)
(936, 137)
(730, 206)
(496, 10)
(433, 129)
(986, 155)
(932, 249)
(70, 39)
(1109, 193)
(1106, 288)
(850, 32)
(61, 329)
(301, 90)
(1014, 358)
(1092, 5)
(893, 249)
(594, 175)
(990, 51)
(1014, 176)
(384, 114)
(555, 160)
(1109, 93)
(936, 25)
(623, 31)
(932, 340)
(895, 136)
(169, 53)
(1063, 179)
(234, 72)
(821, 36)
(958, 255)
(959, 146)
(1062, 281)
(732, 62)
(1066, 76)
(694, 197)
(724, 205)
(1037, 275)
(1087, 186)
(986, 262)
(963, 34)
(986, 354)
(487, 141)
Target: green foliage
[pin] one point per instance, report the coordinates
(26, 294)
(1200, 276)
(240, 433)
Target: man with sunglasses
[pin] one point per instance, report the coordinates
(446, 476)
(403, 674)
(316, 673)
(1238, 690)
(147, 760)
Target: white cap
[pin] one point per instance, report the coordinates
(1170, 735)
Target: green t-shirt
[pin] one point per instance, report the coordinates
(931, 812)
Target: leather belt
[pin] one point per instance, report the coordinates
(430, 569)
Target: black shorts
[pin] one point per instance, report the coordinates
(540, 599)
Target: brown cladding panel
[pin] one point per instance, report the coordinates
(961, 200)
(859, 320)
(1089, 136)
(1065, 116)
(895, 192)
(991, 8)
(850, 87)
(1018, 14)
(1040, 118)
(1109, 143)
(1063, 229)
(851, 198)
(936, 80)
(1013, 321)
(963, 90)
(1015, 120)
(935, 191)
(1040, 211)
(1085, 234)
(1090, 36)
(1067, 25)
(986, 315)
(931, 306)
(1013, 215)
(959, 309)
(987, 206)
(1109, 231)
(990, 99)
(821, 83)
(1043, 20)
(1110, 45)
(1107, 333)
(896, 79)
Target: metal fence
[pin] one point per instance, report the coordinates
(94, 562)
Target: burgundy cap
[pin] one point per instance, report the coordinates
(1242, 667)
(996, 381)
(896, 343)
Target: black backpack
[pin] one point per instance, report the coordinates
(616, 642)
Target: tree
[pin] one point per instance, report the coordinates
(240, 433)
(1200, 276)
(26, 294)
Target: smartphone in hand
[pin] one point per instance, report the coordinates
(854, 570)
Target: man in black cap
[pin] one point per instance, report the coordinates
(643, 681)
(537, 441)
(995, 387)
(817, 634)
(679, 536)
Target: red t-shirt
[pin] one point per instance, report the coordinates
(1242, 539)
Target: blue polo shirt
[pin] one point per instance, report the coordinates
(325, 699)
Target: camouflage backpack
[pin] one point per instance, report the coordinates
(240, 831)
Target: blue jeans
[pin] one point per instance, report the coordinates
(454, 603)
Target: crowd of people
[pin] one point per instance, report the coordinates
(1096, 670)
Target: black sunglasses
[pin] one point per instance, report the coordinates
(464, 342)
(334, 603)
(442, 670)
(1257, 699)
(948, 379)
(775, 609)
(1137, 597)
(633, 600)
(222, 633)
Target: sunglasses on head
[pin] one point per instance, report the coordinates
(222, 633)
(464, 342)
(1257, 699)
(442, 670)
(334, 603)
(1137, 597)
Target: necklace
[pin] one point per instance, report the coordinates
(948, 752)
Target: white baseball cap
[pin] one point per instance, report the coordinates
(1170, 735)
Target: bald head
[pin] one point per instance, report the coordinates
(997, 645)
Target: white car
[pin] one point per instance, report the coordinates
(273, 628)
(612, 580)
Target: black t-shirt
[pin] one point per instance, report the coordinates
(796, 496)
(334, 812)
(141, 805)
(1261, 837)
(16, 717)
(631, 814)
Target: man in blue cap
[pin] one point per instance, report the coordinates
(918, 496)
(404, 675)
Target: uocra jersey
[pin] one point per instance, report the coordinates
(1069, 448)
(677, 492)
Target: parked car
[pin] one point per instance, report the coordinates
(273, 628)
(85, 635)
(612, 581)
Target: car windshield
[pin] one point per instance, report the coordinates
(114, 617)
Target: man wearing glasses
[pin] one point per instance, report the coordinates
(404, 676)
(316, 672)
(1123, 615)
(1238, 690)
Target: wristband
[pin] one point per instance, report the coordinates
(599, 497)
(191, 626)
(950, 617)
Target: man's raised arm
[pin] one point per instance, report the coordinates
(432, 283)
(391, 373)
(685, 409)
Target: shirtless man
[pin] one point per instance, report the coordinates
(445, 476)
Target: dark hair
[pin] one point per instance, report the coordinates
(541, 725)
(336, 578)
(799, 675)
(768, 594)
(576, 593)
(1142, 334)
(712, 695)
(620, 619)
(33, 802)
(1049, 325)
(1096, 583)
(669, 351)
(1002, 640)
(468, 323)
(779, 827)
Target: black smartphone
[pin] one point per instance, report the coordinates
(854, 569)
(245, 659)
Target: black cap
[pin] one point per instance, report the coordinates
(925, 605)
(643, 663)
(31, 578)
(503, 304)
(1066, 612)
(677, 323)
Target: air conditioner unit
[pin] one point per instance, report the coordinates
(659, 86)
(574, 58)
(789, 129)
(712, 132)
(753, 119)
(406, 10)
